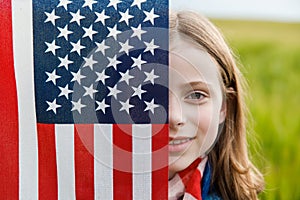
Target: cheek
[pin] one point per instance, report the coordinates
(202, 118)
(207, 123)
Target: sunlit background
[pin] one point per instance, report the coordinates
(265, 36)
(271, 10)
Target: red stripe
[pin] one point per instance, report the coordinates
(193, 188)
(84, 161)
(9, 149)
(160, 140)
(122, 161)
(47, 162)
(189, 177)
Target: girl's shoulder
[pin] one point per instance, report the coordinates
(208, 193)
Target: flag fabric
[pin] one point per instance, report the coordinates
(84, 99)
(187, 184)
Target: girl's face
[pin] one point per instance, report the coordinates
(196, 104)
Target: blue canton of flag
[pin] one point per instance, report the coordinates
(104, 61)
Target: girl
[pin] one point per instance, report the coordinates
(208, 156)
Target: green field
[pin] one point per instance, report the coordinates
(270, 57)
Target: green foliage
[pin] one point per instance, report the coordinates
(270, 55)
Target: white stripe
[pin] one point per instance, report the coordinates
(176, 188)
(202, 165)
(142, 161)
(188, 196)
(103, 163)
(23, 61)
(64, 140)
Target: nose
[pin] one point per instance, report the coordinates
(176, 118)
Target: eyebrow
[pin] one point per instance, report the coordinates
(199, 83)
(196, 85)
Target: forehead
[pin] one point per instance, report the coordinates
(191, 63)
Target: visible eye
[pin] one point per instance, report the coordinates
(196, 96)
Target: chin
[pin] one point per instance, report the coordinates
(177, 164)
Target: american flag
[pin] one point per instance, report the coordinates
(84, 99)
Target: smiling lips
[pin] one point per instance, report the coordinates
(179, 144)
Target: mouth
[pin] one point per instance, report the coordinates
(179, 144)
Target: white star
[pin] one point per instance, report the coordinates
(90, 91)
(138, 62)
(125, 17)
(126, 77)
(138, 32)
(126, 106)
(151, 106)
(64, 3)
(53, 106)
(113, 91)
(101, 76)
(150, 46)
(101, 17)
(77, 47)
(150, 76)
(64, 32)
(52, 77)
(113, 32)
(138, 91)
(51, 17)
(125, 47)
(101, 47)
(64, 62)
(89, 32)
(52, 47)
(77, 106)
(65, 91)
(114, 3)
(113, 62)
(138, 3)
(102, 106)
(89, 62)
(150, 16)
(89, 3)
(76, 17)
(77, 76)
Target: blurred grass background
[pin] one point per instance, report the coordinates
(270, 56)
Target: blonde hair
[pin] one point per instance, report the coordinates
(233, 174)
